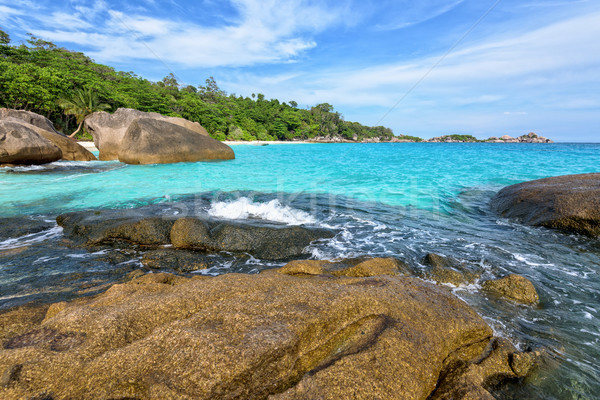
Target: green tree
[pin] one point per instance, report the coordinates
(81, 104)
(4, 37)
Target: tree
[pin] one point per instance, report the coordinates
(4, 38)
(81, 104)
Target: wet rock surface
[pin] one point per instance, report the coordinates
(449, 270)
(179, 260)
(15, 227)
(271, 335)
(269, 241)
(570, 203)
(513, 287)
(265, 241)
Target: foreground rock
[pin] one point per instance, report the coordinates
(108, 130)
(513, 287)
(263, 240)
(152, 141)
(21, 145)
(569, 202)
(71, 150)
(262, 336)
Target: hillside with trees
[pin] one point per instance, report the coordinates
(65, 86)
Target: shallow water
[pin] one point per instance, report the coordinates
(401, 200)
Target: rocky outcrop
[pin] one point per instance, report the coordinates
(262, 240)
(178, 260)
(21, 145)
(152, 141)
(570, 203)
(531, 137)
(109, 129)
(132, 227)
(513, 287)
(262, 336)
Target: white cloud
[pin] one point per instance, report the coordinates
(265, 32)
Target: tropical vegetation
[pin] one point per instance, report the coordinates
(65, 86)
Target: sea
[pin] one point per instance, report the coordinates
(399, 200)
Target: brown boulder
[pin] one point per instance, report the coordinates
(152, 141)
(249, 336)
(71, 150)
(569, 202)
(22, 145)
(513, 287)
(109, 129)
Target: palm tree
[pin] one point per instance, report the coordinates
(81, 104)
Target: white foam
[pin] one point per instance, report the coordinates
(27, 240)
(244, 208)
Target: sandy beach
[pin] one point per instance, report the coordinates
(92, 147)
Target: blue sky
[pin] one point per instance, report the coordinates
(426, 68)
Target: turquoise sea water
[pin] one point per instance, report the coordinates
(401, 200)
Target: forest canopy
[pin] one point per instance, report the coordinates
(38, 76)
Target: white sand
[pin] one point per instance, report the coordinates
(260, 142)
(90, 146)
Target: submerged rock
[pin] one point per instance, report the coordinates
(14, 227)
(448, 270)
(71, 150)
(262, 240)
(570, 203)
(513, 287)
(108, 130)
(179, 260)
(261, 336)
(23, 146)
(152, 141)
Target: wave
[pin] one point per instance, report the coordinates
(244, 208)
(30, 239)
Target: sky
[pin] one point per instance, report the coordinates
(425, 68)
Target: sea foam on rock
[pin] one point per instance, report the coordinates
(569, 202)
(262, 336)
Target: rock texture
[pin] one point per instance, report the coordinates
(22, 145)
(513, 287)
(152, 141)
(134, 227)
(266, 336)
(570, 203)
(265, 241)
(109, 129)
(28, 117)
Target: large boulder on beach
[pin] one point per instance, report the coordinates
(21, 145)
(71, 150)
(260, 336)
(152, 141)
(570, 203)
(109, 129)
